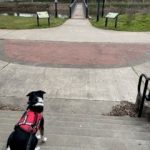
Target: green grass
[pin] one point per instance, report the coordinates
(131, 22)
(12, 22)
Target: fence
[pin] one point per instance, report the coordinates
(32, 7)
(121, 7)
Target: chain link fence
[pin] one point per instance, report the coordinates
(32, 6)
(122, 7)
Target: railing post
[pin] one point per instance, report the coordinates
(73, 2)
(143, 98)
(69, 12)
(56, 10)
(98, 9)
(86, 12)
(103, 6)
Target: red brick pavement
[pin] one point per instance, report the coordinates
(76, 54)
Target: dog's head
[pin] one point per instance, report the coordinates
(36, 100)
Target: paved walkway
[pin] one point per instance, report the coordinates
(78, 13)
(75, 30)
(73, 61)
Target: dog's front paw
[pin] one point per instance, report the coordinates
(38, 137)
(44, 139)
(37, 148)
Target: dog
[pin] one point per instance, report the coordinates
(24, 135)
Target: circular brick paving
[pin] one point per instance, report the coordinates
(68, 54)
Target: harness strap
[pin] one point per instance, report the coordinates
(24, 121)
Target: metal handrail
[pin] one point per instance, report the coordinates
(71, 7)
(141, 96)
(86, 8)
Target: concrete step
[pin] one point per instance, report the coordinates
(80, 131)
(103, 143)
(45, 147)
(96, 142)
(90, 125)
(99, 119)
(81, 106)
(109, 120)
(74, 117)
(143, 135)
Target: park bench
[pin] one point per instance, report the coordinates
(43, 15)
(111, 15)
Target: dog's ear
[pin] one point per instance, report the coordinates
(30, 94)
(40, 93)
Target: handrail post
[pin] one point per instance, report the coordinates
(56, 10)
(69, 11)
(98, 10)
(141, 96)
(103, 6)
(85, 3)
(71, 7)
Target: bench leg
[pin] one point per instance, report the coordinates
(38, 22)
(106, 21)
(116, 20)
(49, 21)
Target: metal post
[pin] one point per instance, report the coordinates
(116, 20)
(106, 21)
(103, 6)
(37, 20)
(98, 8)
(143, 98)
(69, 11)
(87, 11)
(49, 21)
(56, 10)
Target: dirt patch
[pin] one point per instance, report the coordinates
(123, 109)
(10, 107)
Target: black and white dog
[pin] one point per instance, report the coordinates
(24, 135)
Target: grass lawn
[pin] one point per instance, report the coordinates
(130, 22)
(12, 22)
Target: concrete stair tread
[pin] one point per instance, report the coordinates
(109, 120)
(68, 130)
(78, 141)
(90, 125)
(17, 114)
(96, 142)
(90, 132)
(45, 147)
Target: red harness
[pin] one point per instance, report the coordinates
(30, 121)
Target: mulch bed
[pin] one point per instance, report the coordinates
(123, 109)
(10, 107)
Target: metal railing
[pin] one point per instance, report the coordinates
(142, 93)
(71, 8)
(85, 6)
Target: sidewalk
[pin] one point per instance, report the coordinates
(19, 76)
(77, 30)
